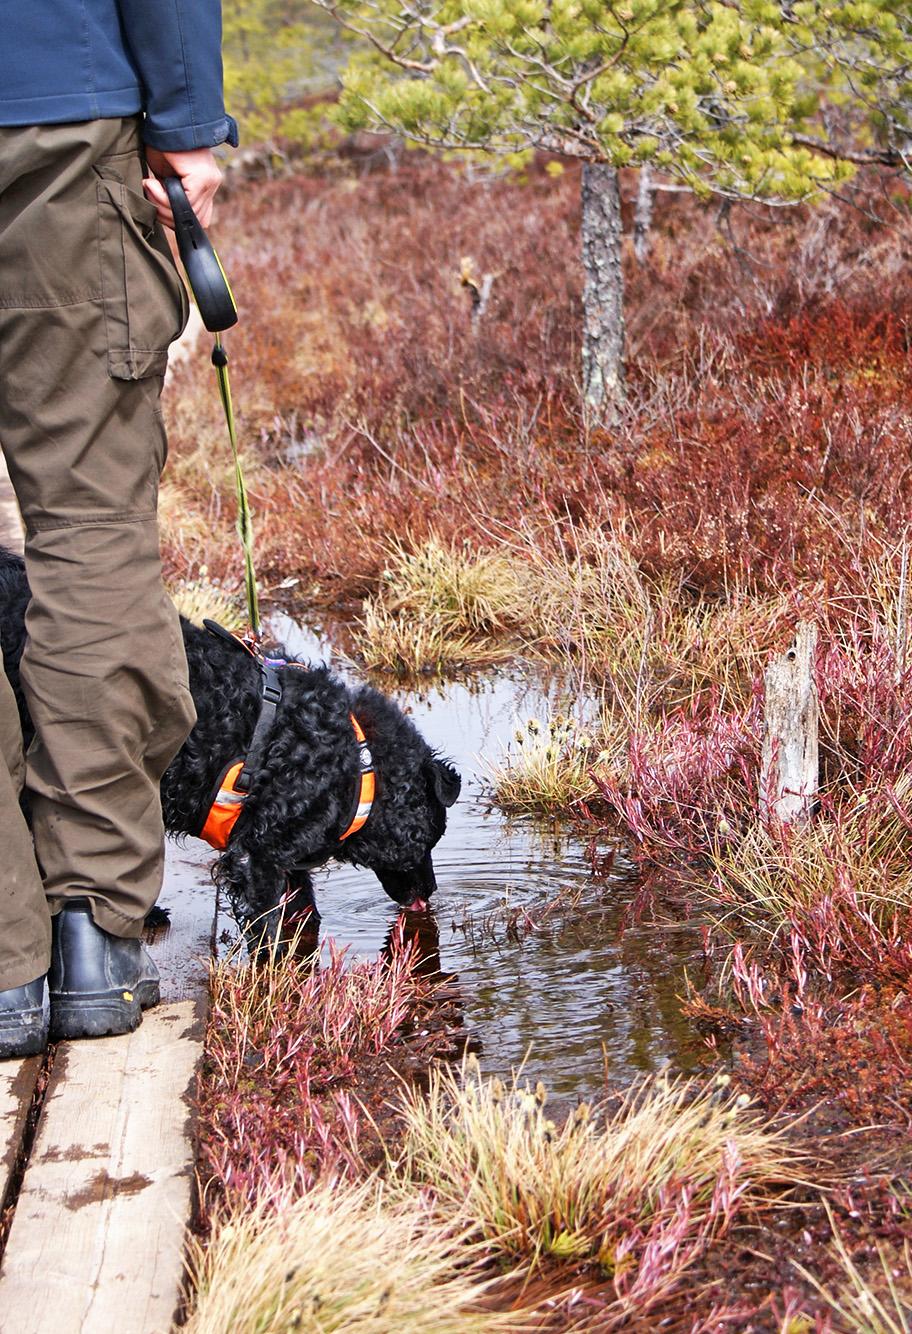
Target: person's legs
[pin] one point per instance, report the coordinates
(25, 923)
(89, 300)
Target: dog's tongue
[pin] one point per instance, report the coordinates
(417, 905)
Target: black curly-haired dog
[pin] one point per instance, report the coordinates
(301, 790)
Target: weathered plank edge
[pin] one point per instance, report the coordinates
(98, 1238)
(17, 1088)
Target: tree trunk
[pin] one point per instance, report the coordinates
(789, 764)
(642, 215)
(603, 293)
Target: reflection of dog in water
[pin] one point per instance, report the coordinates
(440, 1031)
(302, 799)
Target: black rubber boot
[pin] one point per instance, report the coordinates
(24, 1020)
(99, 984)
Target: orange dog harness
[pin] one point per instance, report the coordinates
(234, 785)
(225, 809)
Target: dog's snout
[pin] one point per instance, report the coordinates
(405, 887)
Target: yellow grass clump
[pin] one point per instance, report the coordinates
(340, 1257)
(600, 1186)
(202, 598)
(567, 590)
(465, 590)
(547, 769)
(409, 645)
(441, 606)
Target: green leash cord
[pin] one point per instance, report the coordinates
(244, 521)
(216, 306)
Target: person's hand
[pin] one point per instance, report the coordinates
(200, 176)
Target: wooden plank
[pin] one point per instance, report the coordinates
(97, 1237)
(17, 1084)
(96, 1242)
(181, 950)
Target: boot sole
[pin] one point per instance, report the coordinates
(28, 1037)
(107, 1015)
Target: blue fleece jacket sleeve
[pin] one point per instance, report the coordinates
(176, 47)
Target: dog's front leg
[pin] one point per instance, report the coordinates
(275, 908)
(299, 927)
(256, 892)
(291, 927)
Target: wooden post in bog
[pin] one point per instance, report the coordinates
(790, 764)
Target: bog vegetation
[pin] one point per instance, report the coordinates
(423, 459)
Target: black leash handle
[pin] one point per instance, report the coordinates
(204, 271)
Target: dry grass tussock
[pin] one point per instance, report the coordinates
(441, 606)
(578, 591)
(638, 1190)
(855, 862)
(203, 598)
(340, 1257)
(468, 589)
(547, 768)
(409, 646)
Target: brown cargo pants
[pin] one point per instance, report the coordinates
(89, 301)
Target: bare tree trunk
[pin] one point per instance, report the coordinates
(789, 764)
(642, 215)
(603, 293)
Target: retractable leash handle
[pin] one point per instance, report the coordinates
(216, 306)
(204, 272)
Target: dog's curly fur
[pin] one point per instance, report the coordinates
(302, 793)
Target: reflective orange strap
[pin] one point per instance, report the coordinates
(225, 809)
(367, 791)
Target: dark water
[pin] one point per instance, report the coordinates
(577, 994)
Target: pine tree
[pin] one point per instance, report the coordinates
(859, 58)
(713, 93)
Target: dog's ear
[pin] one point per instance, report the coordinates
(444, 780)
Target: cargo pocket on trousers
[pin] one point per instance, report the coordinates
(145, 303)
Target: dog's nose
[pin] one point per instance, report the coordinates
(410, 888)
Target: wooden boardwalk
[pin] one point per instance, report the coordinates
(96, 1140)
